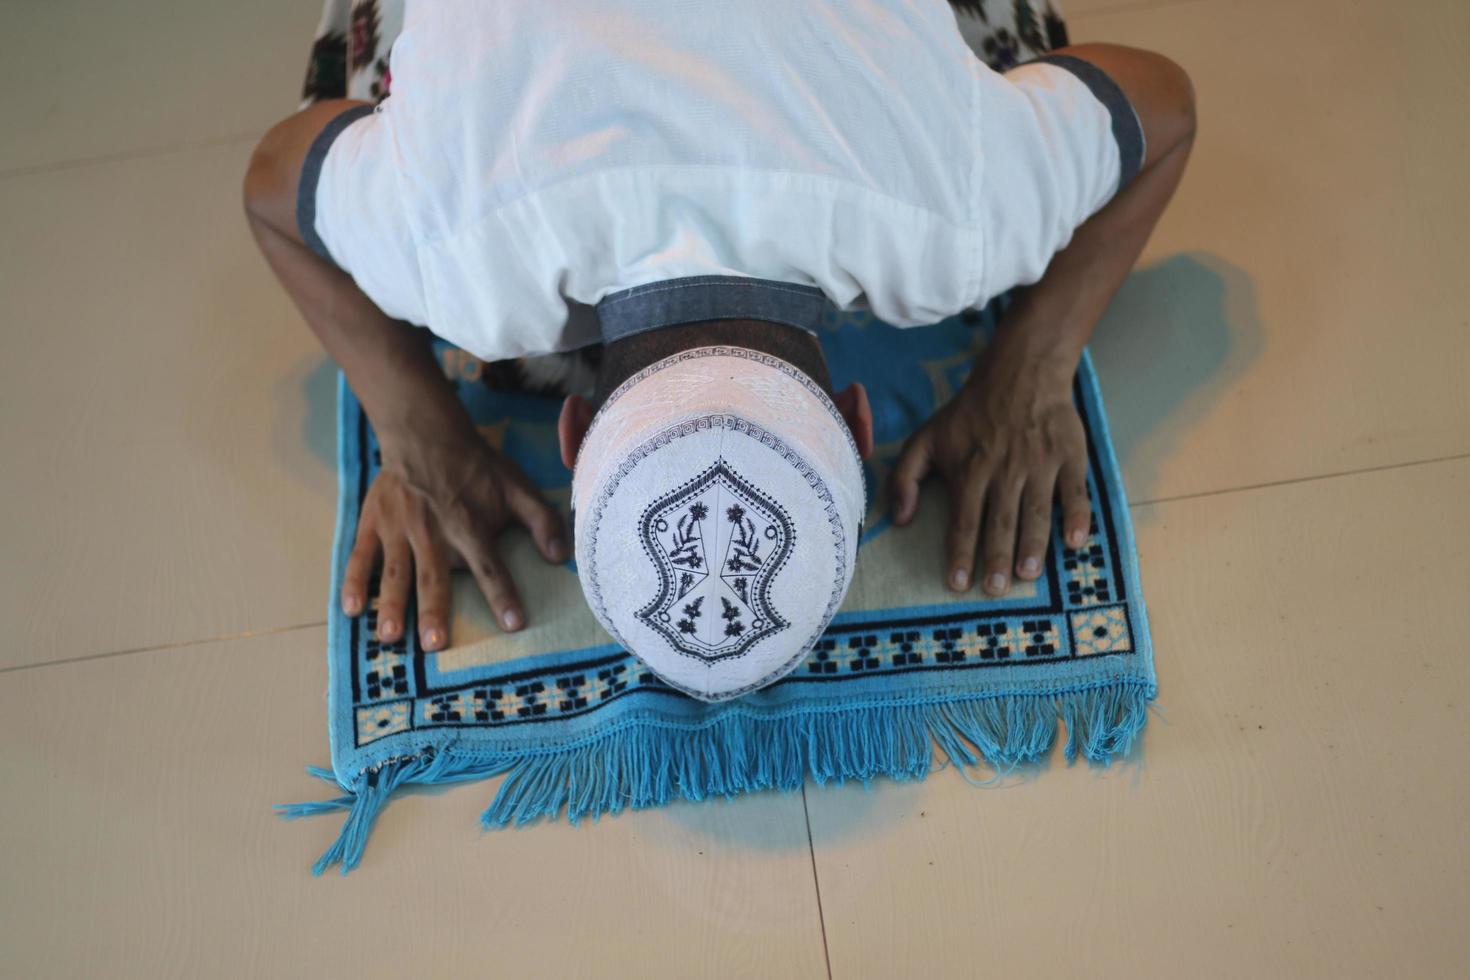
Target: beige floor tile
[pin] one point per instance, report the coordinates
(1302, 309)
(86, 79)
(165, 416)
(137, 840)
(167, 425)
(1298, 812)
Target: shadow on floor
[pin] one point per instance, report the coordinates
(851, 810)
(1177, 335)
(314, 384)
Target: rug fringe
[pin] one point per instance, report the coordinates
(648, 764)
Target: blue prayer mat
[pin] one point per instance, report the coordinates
(577, 723)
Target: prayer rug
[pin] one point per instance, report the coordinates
(578, 725)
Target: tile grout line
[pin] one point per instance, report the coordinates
(247, 635)
(125, 156)
(816, 883)
(1301, 479)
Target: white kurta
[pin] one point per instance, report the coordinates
(537, 156)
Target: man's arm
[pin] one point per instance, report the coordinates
(1055, 317)
(440, 480)
(388, 362)
(1012, 440)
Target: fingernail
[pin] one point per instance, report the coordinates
(387, 628)
(352, 605)
(432, 638)
(558, 550)
(996, 582)
(1030, 566)
(512, 619)
(1075, 539)
(960, 579)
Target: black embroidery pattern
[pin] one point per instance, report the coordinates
(691, 613)
(731, 616)
(688, 546)
(835, 535)
(679, 532)
(744, 546)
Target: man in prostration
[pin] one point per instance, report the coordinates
(690, 185)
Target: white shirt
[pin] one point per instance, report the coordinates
(536, 156)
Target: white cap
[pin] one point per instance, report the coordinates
(718, 499)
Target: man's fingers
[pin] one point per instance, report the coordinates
(1076, 507)
(913, 465)
(359, 571)
(500, 592)
(473, 536)
(540, 518)
(966, 498)
(431, 586)
(1002, 507)
(393, 588)
(1035, 524)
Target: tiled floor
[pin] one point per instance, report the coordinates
(1285, 378)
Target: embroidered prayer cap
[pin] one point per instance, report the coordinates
(718, 499)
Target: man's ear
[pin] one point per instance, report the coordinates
(576, 416)
(852, 402)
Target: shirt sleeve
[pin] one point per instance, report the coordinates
(1059, 139)
(350, 212)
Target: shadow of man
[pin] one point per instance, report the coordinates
(1175, 338)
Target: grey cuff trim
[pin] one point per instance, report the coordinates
(1127, 130)
(311, 175)
(691, 298)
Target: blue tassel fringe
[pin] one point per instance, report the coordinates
(646, 764)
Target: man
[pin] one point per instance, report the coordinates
(688, 185)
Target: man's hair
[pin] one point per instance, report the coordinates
(624, 358)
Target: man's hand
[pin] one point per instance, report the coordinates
(1005, 444)
(452, 511)
(442, 493)
(1012, 437)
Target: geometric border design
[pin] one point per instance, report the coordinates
(1101, 629)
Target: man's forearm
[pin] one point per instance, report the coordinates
(390, 364)
(1052, 320)
(443, 491)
